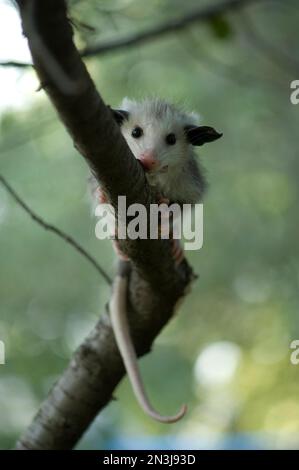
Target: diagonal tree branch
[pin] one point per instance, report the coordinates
(201, 14)
(197, 15)
(155, 284)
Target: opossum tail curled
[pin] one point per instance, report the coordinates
(120, 325)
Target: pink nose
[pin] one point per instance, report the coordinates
(148, 160)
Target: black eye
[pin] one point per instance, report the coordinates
(137, 132)
(170, 139)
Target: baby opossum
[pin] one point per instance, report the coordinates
(161, 137)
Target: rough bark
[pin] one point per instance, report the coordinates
(155, 285)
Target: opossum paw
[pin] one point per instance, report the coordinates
(163, 200)
(177, 251)
(101, 195)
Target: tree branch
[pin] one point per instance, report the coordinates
(155, 284)
(197, 15)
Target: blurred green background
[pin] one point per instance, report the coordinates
(227, 353)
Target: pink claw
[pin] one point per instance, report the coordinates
(163, 200)
(101, 196)
(177, 251)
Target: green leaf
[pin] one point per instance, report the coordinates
(220, 27)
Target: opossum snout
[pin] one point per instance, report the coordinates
(148, 160)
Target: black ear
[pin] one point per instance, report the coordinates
(120, 115)
(201, 134)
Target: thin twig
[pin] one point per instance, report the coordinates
(15, 64)
(174, 25)
(171, 26)
(67, 238)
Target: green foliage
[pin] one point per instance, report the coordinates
(221, 27)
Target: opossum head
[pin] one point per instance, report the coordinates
(160, 136)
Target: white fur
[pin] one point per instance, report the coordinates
(182, 182)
